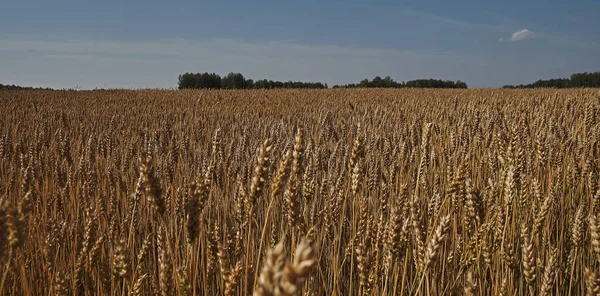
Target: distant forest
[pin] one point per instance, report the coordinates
(238, 81)
(388, 82)
(16, 87)
(576, 80)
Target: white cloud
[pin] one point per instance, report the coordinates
(520, 35)
(565, 42)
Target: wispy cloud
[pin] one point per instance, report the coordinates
(188, 49)
(119, 63)
(459, 22)
(520, 35)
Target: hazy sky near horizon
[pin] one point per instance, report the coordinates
(147, 44)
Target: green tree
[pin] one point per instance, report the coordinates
(233, 81)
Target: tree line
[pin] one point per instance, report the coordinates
(16, 87)
(388, 82)
(576, 80)
(238, 81)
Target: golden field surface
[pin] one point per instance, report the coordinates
(300, 192)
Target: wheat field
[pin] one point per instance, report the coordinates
(300, 192)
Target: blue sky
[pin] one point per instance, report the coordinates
(139, 44)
